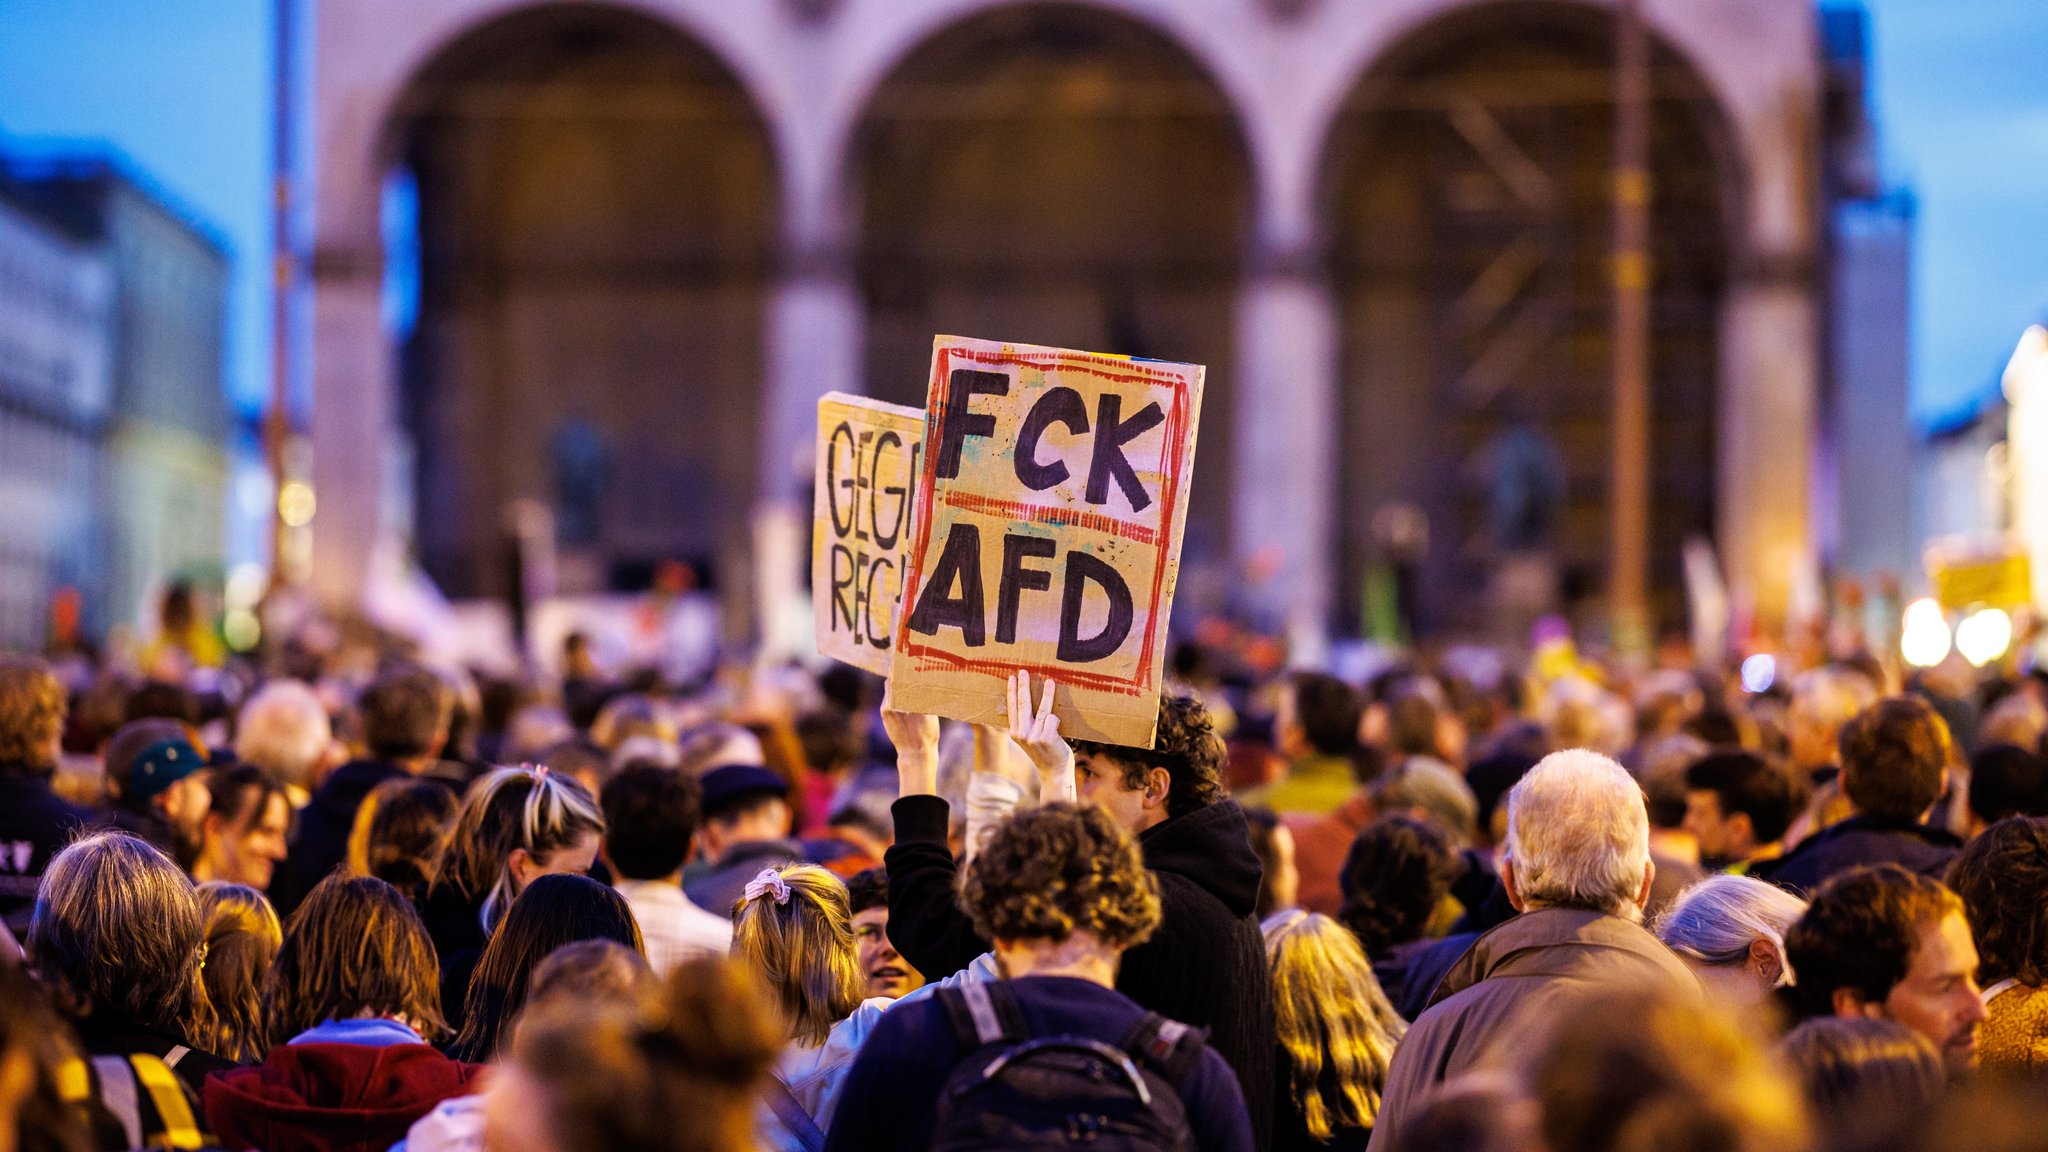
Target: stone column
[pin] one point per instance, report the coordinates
(353, 418)
(1769, 411)
(814, 347)
(1286, 435)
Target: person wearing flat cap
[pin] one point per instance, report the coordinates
(157, 787)
(746, 828)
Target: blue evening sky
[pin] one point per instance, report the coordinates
(182, 87)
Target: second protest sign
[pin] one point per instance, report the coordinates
(1047, 533)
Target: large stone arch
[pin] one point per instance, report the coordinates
(1058, 174)
(1469, 209)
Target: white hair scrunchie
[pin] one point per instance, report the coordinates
(768, 883)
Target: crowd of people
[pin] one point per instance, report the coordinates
(1467, 904)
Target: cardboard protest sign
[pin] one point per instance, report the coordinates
(1047, 534)
(868, 455)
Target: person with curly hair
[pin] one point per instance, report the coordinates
(1062, 892)
(1206, 963)
(1395, 878)
(2002, 877)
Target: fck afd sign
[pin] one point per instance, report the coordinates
(1045, 534)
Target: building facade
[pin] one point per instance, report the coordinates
(647, 235)
(55, 388)
(163, 465)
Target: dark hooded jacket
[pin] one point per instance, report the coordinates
(1858, 842)
(320, 843)
(1205, 965)
(315, 1097)
(1511, 984)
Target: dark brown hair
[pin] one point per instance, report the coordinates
(354, 948)
(682, 1074)
(552, 912)
(406, 713)
(1186, 745)
(1049, 872)
(2002, 877)
(1397, 871)
(1859, 933)
(1893, 755)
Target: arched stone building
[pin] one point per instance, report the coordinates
(652, 232)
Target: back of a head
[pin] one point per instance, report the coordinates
(794, 929)
(1332, 1020)
(1893, 756)
(1415, 714)
(1579, 834)
(1866, 1081)
(2001, 876)
(1427, 785)
(285, 729)
(682, 1074)
(127, 745)
(1859, 933)
(1185, 743)
(1049, 872)
(32, 707)
(39, 1053)
(1824, 699)
(406, 713)
(1716, 920)
(650, 815)
(1397, 871)
(354, 948)
(551, 912)
(405, 824)
(1646, 1073)
(116, 935)
(2007, 781)
(242, 941)
(591, 972)
(1475, 1112)
(1328, 711)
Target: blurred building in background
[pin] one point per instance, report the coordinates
(606, 257)
(144, 469)
(56, 374)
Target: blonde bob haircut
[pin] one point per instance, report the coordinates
(1332, 1020)
(1579, 835)
(802, 948)
(117, 936)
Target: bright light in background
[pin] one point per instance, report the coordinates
(1759, 672)
(246, 584)
(1984, 635)
(295, 504)
(1924, 638)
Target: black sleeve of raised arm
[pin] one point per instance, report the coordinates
(925, 921)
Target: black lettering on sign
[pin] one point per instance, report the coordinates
(956, 423)
(842, 610)
(938, 608)
(1060, 405)
(1017, 578)
(899, 494)
(1108, 461)
(874, 572)
(833, 483)
(1083, 569)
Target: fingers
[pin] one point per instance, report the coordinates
(1017, 718)
(1045, 705)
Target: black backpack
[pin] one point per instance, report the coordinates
(1016, 1091)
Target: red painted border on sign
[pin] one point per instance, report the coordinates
(1173, 445)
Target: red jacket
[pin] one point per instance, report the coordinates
(314, 1097)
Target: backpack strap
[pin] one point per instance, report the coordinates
(119, 1094)
(982, 1013)
(798, 1122)
(173, 1107)
(178, 1052)
(1169, 1047)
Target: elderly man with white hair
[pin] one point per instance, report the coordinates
(1576, 865)
(284, 729)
